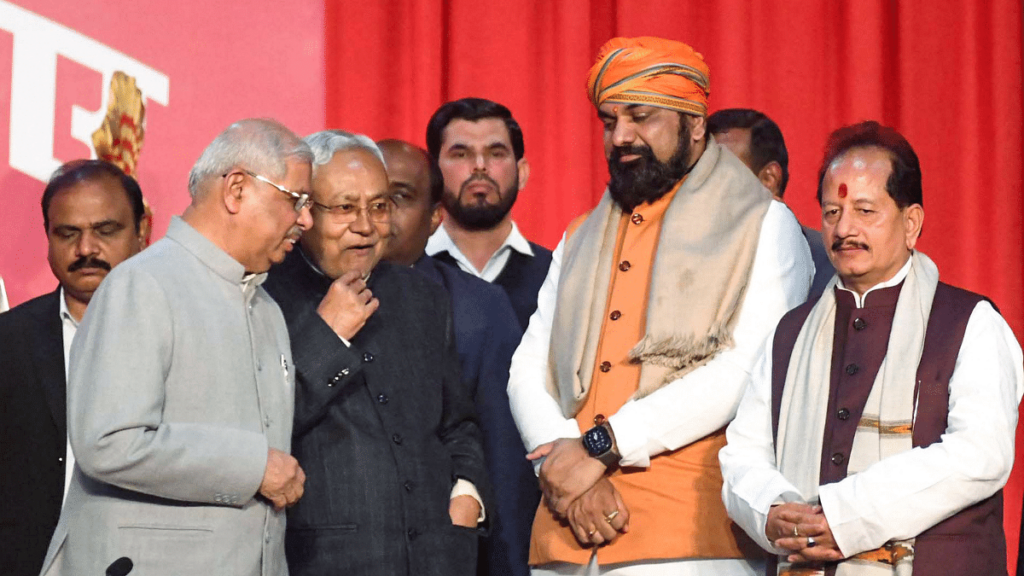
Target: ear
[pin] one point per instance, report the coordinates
(524, 172)
(771, 177)
(913, 221)
(436, 215)
(230, 191)
(698, 126)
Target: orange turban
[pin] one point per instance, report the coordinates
(651, 71)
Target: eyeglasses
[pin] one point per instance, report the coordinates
(347, 212)
(302, 200)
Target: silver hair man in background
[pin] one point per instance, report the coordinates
(181, 390)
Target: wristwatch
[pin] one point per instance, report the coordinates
(599, 444)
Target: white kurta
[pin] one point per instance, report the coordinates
(900, 496)
(682, 411)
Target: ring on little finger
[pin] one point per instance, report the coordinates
(811, 542)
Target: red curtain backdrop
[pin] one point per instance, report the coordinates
(947, 74)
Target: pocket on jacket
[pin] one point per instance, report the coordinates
(311, 548)
(154, 547)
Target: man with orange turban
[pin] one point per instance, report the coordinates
(650, 319)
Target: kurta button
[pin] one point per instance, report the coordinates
(843, 414)
(413, 533)
(859, 324)
(367, 357)
(259, 366)
(266, 420)
(382, 398)
(637, 218)
(60, 459)
(615, 315)
(267, 539)
(407, 486)
(396, 438)
(624, 265)
(852, 369)
(606, 366)
(838, 458)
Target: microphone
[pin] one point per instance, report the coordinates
(120, 567)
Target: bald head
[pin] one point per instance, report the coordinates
(415, 189)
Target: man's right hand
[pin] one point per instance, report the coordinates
(347, 305)
(283, 480)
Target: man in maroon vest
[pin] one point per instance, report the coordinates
(877, 430)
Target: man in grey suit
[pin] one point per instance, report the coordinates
(383, 423)
(181, 384)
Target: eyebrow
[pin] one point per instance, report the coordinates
(91, 225)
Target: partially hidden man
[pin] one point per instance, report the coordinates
(651, 316)
(878, 428)
(486, 336)
(181, 381)
(383, 422)
(92, 213)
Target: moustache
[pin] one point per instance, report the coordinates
(479, 176)
(632, 150)
(89, 262)
(840, 243)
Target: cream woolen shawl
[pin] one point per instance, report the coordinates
(700, 274)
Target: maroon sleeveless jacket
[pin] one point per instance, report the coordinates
(971, 541)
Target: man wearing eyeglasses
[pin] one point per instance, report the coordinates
(383, 423)
(181, 384)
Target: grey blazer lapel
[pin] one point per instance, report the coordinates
(47, 339)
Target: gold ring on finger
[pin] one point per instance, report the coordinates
(796, 532)
(611, 516)
(591, 533)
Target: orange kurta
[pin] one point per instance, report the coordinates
(675, 505)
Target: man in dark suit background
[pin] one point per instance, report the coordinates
(478, 147)
(757, 140)
(383, 424)
(92, 212)
(486, 335)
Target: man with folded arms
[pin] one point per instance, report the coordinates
(877, 431)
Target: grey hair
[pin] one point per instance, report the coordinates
(327, 143)
(261, 145)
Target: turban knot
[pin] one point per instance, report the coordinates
(651, 71)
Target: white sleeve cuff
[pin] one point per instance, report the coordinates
(466, 488)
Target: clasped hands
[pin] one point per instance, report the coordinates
(575, 488)
(804, 531)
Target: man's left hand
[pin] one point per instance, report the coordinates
(810, 526)
(567, 473)
(464, 510)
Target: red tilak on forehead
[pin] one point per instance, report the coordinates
(842, 190)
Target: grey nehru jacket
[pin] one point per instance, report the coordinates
(180, 378)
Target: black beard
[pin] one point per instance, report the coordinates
(480, 216)
(646, 179)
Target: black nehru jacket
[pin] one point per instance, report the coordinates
(383, 429)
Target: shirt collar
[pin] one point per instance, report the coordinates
(440, 241)
(899, 277)
(65, 314)
(211, 255)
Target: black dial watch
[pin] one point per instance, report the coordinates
(598, 442)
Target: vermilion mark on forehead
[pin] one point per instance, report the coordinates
(842, 190)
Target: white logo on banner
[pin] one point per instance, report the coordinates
(37, 42)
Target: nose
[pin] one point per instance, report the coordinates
(481, 164)
(845, 225)
(87, 244)
(305, 219)
(624, 133)
(362, 224)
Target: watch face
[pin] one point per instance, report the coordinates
(597, 441)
